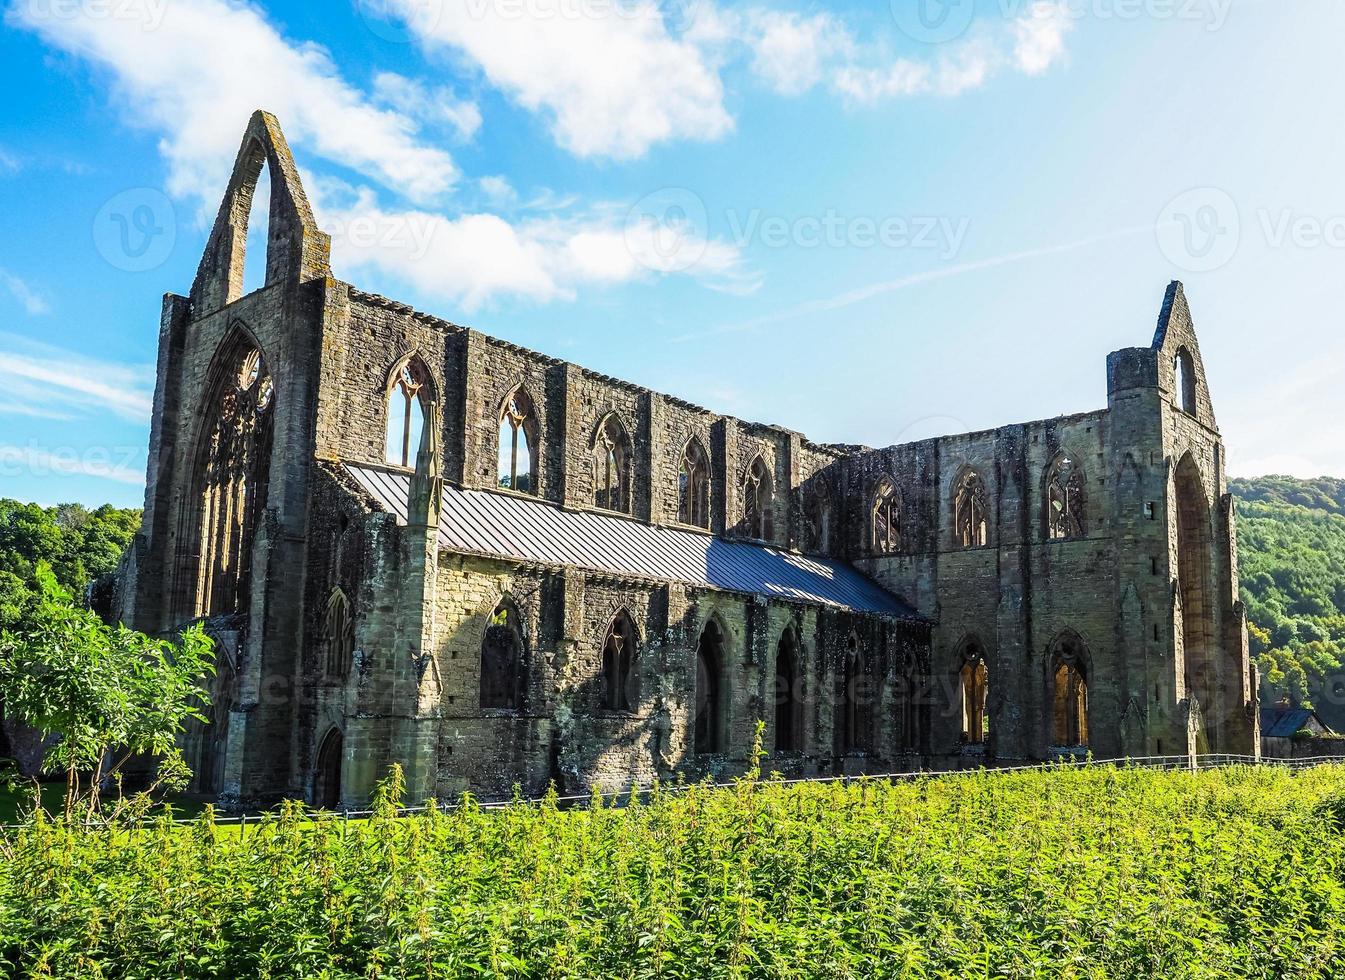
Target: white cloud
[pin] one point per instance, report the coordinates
(421, 102)
(28, 297)
(1040, 36)
(1030, 43)
(497, 189)
(472, 259)
(196, 69)
(45, 381)
(9, 163)
(611, 77)
(789, 51)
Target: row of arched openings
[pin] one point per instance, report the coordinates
(1067, 682)
(1063, 509)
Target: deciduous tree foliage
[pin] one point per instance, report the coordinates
(1291, 551)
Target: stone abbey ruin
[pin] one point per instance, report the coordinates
(416, 543)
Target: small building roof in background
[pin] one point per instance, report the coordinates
(515, 527)
(1282, 721)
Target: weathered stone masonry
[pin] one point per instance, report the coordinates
(1041, 588)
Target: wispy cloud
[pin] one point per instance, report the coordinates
(9, 163)
(170, 74)
(42, 381)
(863, 293)
(28, 297)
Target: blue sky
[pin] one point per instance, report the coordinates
(868, 222)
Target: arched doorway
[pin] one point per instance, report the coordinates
(327, 772)
(1196, 621)
(710, 690)
(1068, 680)
(788, 695)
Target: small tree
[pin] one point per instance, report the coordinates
(106, 694)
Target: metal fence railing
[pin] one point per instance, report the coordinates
(1193, 763)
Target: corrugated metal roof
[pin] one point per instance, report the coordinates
(501, 525)
(1280, 722)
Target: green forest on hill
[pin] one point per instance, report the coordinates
(1291, 551)
(1291, 542)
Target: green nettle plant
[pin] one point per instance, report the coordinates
(101, 695)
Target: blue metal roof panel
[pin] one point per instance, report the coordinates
(517, 527)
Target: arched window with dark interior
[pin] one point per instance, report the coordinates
(758, 501)
(885, 520)
(1184, 381)
(611, 466)
(502, 653)
(710, 690)
(971, 511)
(409, 396)
(1065, 499)
(327, 771)
(338, 634)
(693, 486)
(620, 680)
(973, 688)
(912, 705)
(788, 693)
(858, 692)
(518, 432)
(232, 474)
(1069, 692)
(817, 516)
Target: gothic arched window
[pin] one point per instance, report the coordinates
(518, 443)
(857, 696)
(1069, 693)
(758, 501)
(409, 393)
(1184, 381)
(620, 682)
(502, 658)
(232, 475)
(611, 466)
(1064, 499)
(693, 486)
(886, 520)
(710, 691)
(817, 516)
(973, 685)
(338, 633)
(971, 521)
(788, 693)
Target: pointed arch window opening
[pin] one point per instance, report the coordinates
(257, 243)
(789, 694)
(886, 520)
(1184, 381)
(858, 693)
(620, 688)
(1069, 696)
(518, 431)
(693, 487)
(974, 684)
(817, 519)
(1065, 500)
(971, 512)
(758, 519)
(502, 659)
(232, 478)
(408, 398)
(338, 633)
(710, 691)
(611, 464)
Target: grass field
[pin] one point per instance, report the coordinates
(1075, 872)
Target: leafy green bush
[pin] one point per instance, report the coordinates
(1074, 872)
